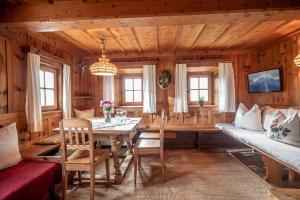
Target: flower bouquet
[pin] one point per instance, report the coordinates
(108, 108)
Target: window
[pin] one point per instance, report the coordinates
(132, 90)
(48, 87)
(199, 86)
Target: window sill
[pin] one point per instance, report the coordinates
(50, 112)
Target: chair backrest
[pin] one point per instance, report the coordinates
(162, 130)
(79, 136)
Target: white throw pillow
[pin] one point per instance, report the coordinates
(286, 130)
(9, 147)
(268, 114)
(248, 119)
(84, 114)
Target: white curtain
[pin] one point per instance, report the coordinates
(67, 95)
(181, 104)
(108, 87)
(149, 88)
(226, 88)
(33, 94)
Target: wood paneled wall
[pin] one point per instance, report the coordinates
(13, 85)
(197, 117)
(87, 89)
(279, 54)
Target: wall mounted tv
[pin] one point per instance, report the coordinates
(264, 81)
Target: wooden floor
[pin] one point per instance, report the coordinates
(191, 174)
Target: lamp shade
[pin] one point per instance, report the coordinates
(297, 60)
(103, 67)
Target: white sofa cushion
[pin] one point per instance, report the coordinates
(284, 152)
(267, 116)
(269, 112)
(285, 130)
(9, 147)
(85, 114)
(248, 119)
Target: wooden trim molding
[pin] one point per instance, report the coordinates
(27, 49)
(63, 15)
(170, 54)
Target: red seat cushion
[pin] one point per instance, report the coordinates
(29, 180)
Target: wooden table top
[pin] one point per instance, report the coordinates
(112, 128)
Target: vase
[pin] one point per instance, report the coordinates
(201, 103)
(107, 116)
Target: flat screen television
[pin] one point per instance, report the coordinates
(264, 81)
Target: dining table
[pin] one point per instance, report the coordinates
(119, 133)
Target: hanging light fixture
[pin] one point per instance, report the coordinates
(103, 67)
(297, 60)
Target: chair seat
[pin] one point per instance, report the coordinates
(149, 135)
(148, 143)
(83, 157)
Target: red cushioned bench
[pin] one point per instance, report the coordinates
(29, 180)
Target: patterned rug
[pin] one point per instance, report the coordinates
(191, 175)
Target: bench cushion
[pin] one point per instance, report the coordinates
(287, 154)
(28, 180)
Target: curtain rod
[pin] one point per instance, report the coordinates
(30, 49)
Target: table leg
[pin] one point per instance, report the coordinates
(129, 146)
(115, 149)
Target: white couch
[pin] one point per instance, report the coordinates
(285, 154)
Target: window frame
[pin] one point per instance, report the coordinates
(54, 70)
(124, 77)
(210, 88)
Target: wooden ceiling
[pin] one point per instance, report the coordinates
(177, 38)
(147, 26)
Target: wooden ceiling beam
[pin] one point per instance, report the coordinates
(70, 40)
(157, 39)
(221, 35)
(60, 44)
(246, 33)
(261, 36)
(276, 40)
(71, 14)
(136, 39)
(78, 10)
(116, 40)
(166, 54)
(177, 38)
(197, 38)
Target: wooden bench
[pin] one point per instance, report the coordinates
(38, 153)
(273, 165)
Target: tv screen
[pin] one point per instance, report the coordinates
(265, 81)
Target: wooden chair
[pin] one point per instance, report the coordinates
(150, 147)
(81, 143)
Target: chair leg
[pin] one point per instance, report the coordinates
(107, 170)
(92, 183)
(135, 159)
(162, 161)
(79, 178)
(139, 161)
(64, 184)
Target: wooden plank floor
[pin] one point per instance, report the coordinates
(191, 174)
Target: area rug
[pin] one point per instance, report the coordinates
(191, 175)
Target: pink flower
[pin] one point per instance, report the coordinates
(107, 102)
